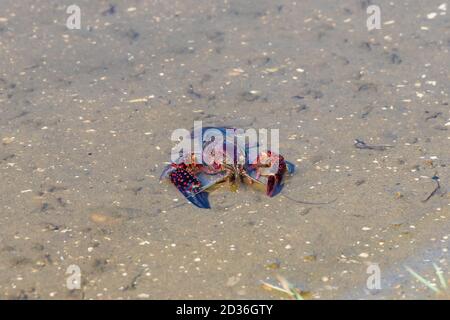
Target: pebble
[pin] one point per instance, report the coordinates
(310, 258)
(103, 218)
(8, 140)
(235, 72)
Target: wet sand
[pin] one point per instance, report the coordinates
(86, 118)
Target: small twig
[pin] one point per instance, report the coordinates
(435, 191)
(433, 116)
(359, 144)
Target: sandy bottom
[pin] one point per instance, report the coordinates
(86, 118)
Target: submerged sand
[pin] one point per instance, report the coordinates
(86, 118)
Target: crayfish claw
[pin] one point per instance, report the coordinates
(200, 200)
(290, 167)
(274, 185)
(190, 187)
(272, 167)
(271, 183)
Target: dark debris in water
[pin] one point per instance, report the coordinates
(437, 189)
(359, 144)
(193, 93)
(132, 34)
(395, 58)
(110, 11)
(367, 87)
(432, 116)
(249, 96)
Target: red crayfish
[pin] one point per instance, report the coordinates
(223, 160)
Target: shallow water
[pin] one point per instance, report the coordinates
(86, 118)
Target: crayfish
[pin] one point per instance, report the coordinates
(223, 160)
